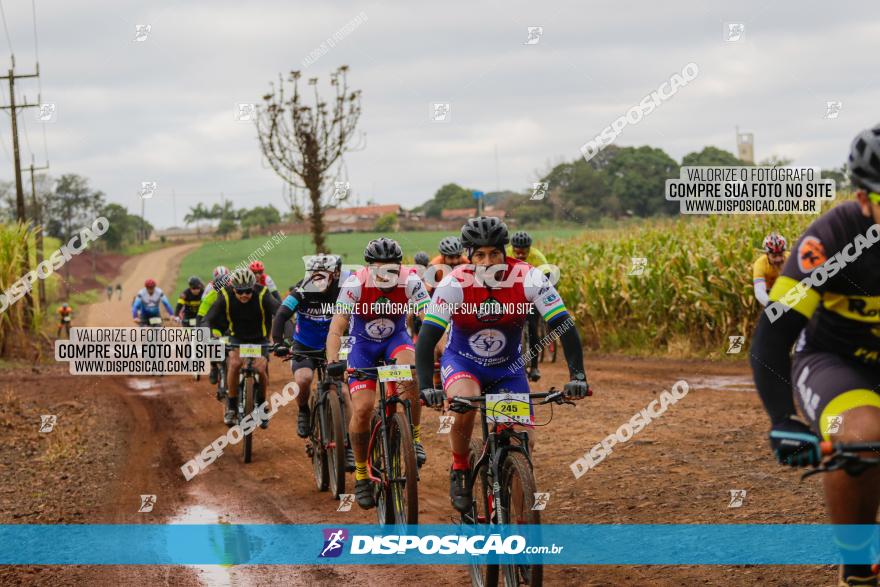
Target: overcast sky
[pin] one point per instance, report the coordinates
(164, 109)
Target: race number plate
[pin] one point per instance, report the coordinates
(67, 318)
(345, 348)
(192, 321)
(509, 407)
(247, 351)
(394, 373)
(155, 321)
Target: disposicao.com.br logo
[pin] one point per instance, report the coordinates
(450, 544)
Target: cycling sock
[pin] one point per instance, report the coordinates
(417, 433)
(360, 471)
(460, 462)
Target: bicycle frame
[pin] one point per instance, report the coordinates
(386, 409)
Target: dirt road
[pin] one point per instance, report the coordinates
(680, 469)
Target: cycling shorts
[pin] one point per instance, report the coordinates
(297, 363)
(366, 353)
(826, 385)
(454, 367)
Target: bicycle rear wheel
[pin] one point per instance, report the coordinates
(247, 441)
(336, 445)
(403, 484)
(481, 575)
(319, 457)
(517, 499)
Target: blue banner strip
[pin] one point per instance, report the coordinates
(619, 544)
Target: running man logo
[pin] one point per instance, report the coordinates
(834, 424)
(735, 344)
(832, 109)
(346, 500)
(446, 423)
(441, 112)
(47, 422)
(246, 112)
(147, 503)
(734, 32)
(534, 38)
(539, 190)
(141, 32)
(638, 265)
(541, 501)
(737, 498)
(333, 542)
(811, 254)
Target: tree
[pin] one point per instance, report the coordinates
(119, 226)
(638, 180)
(840, 176)
(302, 143)
(261, 217)
(196, 215)
(70, 206)
(386, 223)
(449, 196)
(711, 156)
(225, 227)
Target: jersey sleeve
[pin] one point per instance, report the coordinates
(349, 295)
(416, 293)
(544, 296)
(447, 296)
(758, 271)
(270, 284)
(810, 253)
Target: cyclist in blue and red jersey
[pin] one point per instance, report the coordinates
(485, 304)
(376, 300)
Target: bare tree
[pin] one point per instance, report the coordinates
(302, 143)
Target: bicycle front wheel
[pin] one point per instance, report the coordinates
(336, 444)
(319, 457)
(517, 499)
(402, 482)
(248, 399)
(482, 575)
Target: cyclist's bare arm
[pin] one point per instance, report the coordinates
(338, 327)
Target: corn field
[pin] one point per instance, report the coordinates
(12, 247)
(694, 292)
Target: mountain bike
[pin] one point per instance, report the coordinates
(327, 439)
(221, 366)
(500, 476)
(250, 389)
(191, 323)
(392, 457)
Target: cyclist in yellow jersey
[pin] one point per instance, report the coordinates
(768, 266)
(521, 248)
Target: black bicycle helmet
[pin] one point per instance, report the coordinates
(196, 282)
(521, 240)
(422, 259)
(451, 246)
(864, 159)
(383, 249)
(485, 231)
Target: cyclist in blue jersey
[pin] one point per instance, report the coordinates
(147, 304)
(310, 305)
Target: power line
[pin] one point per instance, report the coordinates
(39, 82)
(5, 28)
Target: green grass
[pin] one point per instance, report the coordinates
(284, 261)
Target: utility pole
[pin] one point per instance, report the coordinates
(19, 192)
(37, 212)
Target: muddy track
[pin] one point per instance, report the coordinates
(679, 469)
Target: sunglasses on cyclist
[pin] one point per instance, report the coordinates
(244, 291)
